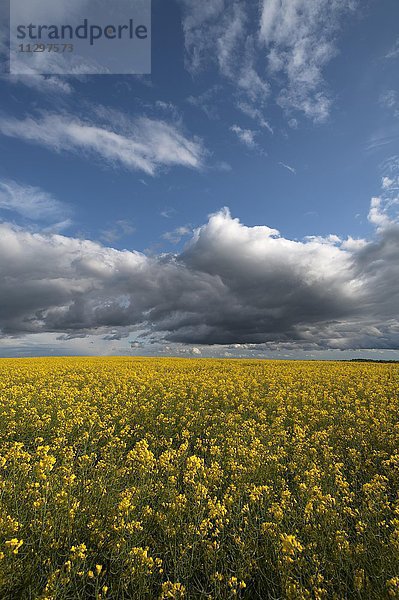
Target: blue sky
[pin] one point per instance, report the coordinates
(285, 112)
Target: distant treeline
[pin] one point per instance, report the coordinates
(370, 360)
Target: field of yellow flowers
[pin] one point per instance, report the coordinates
(164, 478)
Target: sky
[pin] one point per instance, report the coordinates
(239, 201)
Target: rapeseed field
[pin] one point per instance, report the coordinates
(164, 478)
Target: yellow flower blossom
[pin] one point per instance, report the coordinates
(169, 478)
(14, 545)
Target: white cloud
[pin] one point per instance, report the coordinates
(377, 215)
(175, 236)
(168, 212)
(394, 51)
(219, 31)
(207, 101)
(32, 203)
(41, 83)
(197, 17)
(117, 230)
(222, 166)
(246, 136)
(44, 11)
(146, 145)
(380, 213)
(390, 183)
(296, 38)
(288, 167)
(256, 114)
(389, 99)
(299, 36)
(230, 40)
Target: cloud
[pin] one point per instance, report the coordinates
(291, 169)
(44, 11)
(207, 101)
(199, 17)
(218, 31)
(246, 136)
(281, 50)
(230, 285)
(222, 166)
(390, 184)
(255, 114)
(299, 36)
(32, 203)
(377, 215)
(168, 108)
(390, 99)
(175, 236)
(394, 51)
(195, 351)
(168, 212)
(141, 144)
(47, 84)
(117, 231)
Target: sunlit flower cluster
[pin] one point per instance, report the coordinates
(169, 478)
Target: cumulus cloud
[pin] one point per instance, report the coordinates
(231, 285)
(141, 144)
(284, 50)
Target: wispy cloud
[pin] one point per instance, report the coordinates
(390, 99)
(219, 31)
(175, 236)
(282, 53)
(394, 51)
(251, 111)
(145, 145)
(32, 203)
(299, 36)
(197, 18)
(41, 83)
(288, 167)
(381, 139)
(246, 136)
(168, 212)
(116, 231)
(207, 101)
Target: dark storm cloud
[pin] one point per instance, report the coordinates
(231, 285)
